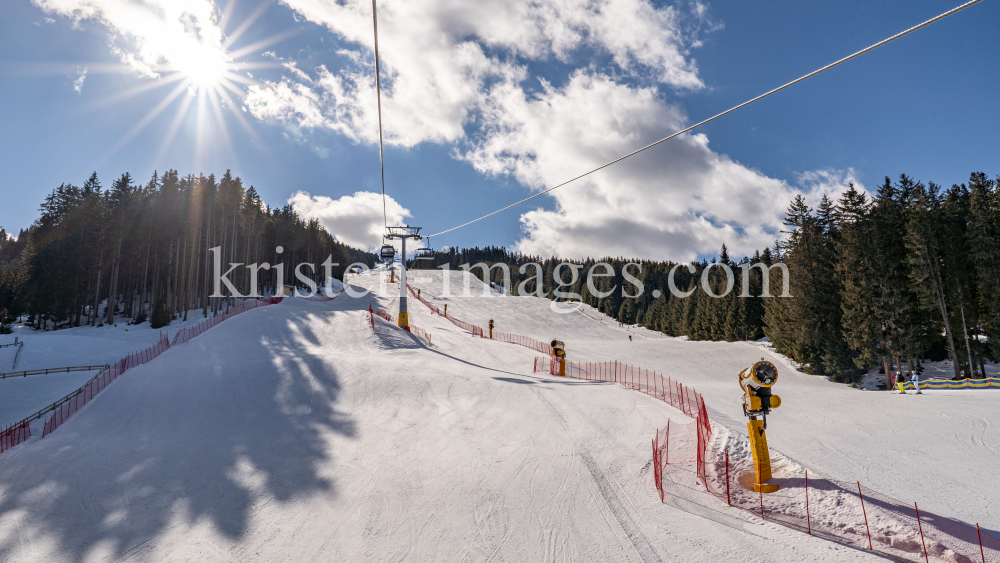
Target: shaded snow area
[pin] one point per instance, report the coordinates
(84, 345)
(78, 346)
(295, 432)
(21, 397)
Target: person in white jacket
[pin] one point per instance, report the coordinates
(915, 379)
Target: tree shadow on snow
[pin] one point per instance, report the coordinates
(240, 417)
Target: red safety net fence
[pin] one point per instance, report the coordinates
(683, 398)
(420, 298)
(842, 511)
(185, 334)
(475, 330)
(66, 406)
(13, 435)
(536, 345)
(381, 313)
(507, 337)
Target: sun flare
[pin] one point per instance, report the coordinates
(205, 66)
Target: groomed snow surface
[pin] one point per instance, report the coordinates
(294, 432)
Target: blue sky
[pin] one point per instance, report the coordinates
(506, 103)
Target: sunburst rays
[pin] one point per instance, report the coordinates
(202, 81)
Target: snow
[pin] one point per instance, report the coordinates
(904, 449)
(294, 432)
(78, 346)
(84, 345)
(23, 396)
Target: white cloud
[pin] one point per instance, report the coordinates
(678, 200)
(439, 57)
(152, 35)
(829, 182)
(81, 75)
(355, 219)
(460, 74)
(464, 74)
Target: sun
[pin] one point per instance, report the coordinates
(203, 76)
(205, 73)
(203, 66)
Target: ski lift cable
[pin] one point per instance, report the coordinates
(730, 110)
(378, 90)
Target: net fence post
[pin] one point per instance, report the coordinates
(666, 445)
(808, 521)
(921, 528)
(980, 536)
(729, 500)
(866, 516)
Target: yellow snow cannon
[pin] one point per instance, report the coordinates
(756, 382)
(559, 351)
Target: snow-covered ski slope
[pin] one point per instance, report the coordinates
(294, 433)
(931, 448)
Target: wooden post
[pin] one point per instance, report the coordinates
(921, 528)
(762, 504)
(866, 516)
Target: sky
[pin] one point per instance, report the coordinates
(485, 103)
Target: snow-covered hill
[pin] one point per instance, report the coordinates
(927, 448)
(294, 432)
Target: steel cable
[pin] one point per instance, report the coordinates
(730, 110)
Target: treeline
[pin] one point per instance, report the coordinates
(142, 250)
(907, 274)
(699, 316)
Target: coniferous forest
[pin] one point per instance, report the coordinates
(906, 274)
(909, 273)
(141, 251)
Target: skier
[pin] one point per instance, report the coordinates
(899, 382)
(630, 338)
(916, 382)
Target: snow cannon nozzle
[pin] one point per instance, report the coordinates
(558, 348)
(559, 351)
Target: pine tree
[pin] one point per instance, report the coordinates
(984, 246)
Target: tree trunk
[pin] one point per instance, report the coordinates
(97, 291)
(968, 349)
(943, 308)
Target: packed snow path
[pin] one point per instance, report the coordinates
(293, 433)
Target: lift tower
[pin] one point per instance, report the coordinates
(403, 233)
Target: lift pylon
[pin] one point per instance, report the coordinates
(402, 234)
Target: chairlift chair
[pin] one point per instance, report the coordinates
(387, 253)
(423, 254)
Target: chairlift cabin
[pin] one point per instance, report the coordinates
(387, 253)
